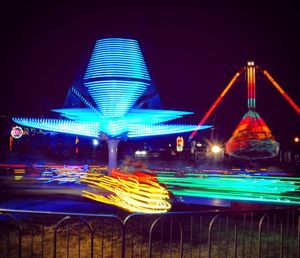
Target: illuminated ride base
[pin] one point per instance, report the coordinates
(252, 139)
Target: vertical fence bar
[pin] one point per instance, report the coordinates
(287, 233)
(68, 241)
(92, 243)
(142, 237)
(171, 234)
(219, 237)
(132, 238)
(102, 240)
(281, 236)
(226, 236)
(235, 240)
(31, 237)
(260, 232)
(111, 240)
(293, 230)
(200, 236)
(161, 238)
(251, 234)
(20, 240)
(298, 242)
(79, 239)
(243, 237)
(55, 241)
(20, 233)
(267, 245)
(191, 239)
(123, 243)
(181, 241)
(7, 243)
(209, 234)
(43, 235)
(274, 231)
(150, 235)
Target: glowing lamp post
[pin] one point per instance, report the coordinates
(215, 152)
(216, 149)
(116, 77)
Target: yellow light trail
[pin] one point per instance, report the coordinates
(135, 193)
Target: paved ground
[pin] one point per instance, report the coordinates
(54, 201)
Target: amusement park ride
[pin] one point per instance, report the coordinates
(110, 94)
(252, 139)
(113, 102)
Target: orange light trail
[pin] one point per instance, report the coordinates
(216, 103)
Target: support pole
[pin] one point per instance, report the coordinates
(112, 145)
(251, 85)
(282, 92)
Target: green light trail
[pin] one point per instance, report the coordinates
(241, 187)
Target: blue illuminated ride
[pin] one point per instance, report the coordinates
(116, 78)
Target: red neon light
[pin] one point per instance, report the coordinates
(140, 176)
(252, 139)
(251, 86)
(216, 103)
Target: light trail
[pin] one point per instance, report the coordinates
(273, 189)
(135, 193)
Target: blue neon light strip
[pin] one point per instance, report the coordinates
(79, 114)
(88, 123)
(135, 116)
(114, 98)
(117, 57)
(161, 129)
(63, 126)
(154, 116)
(86, 102)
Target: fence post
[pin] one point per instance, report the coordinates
(123, 241)
(298, 213)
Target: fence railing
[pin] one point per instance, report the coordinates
(248, 233)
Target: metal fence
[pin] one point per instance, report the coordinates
(250, 233)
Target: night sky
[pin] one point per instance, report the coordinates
(192, 51)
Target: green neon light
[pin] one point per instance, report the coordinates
(234, 187)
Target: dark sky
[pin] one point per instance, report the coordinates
(192, 51)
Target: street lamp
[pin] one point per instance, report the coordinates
(216, 149)
(95, 142)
